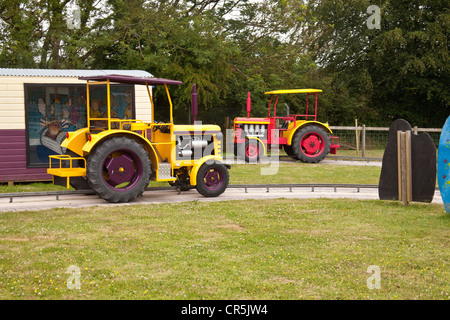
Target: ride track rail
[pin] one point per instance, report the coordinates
(336, 158)
(287, 158)
(311, 186)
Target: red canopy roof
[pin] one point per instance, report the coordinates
(131, 79)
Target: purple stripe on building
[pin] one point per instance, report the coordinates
(13, 159)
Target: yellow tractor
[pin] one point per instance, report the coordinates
(117, 158)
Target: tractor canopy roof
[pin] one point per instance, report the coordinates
(293, 91)
(132, 80)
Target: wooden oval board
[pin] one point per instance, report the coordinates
(443, 167)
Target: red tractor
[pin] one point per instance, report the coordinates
(301, 135)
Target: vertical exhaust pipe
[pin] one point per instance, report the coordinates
(194, 102)
(249, 104)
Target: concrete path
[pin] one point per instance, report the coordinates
(323, 162)
(161, 196)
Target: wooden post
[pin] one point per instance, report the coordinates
(408, 166)
(356, 135)
(404, 166)
(227, 123)
(363, 141)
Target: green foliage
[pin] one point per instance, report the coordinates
(229, 48)
(398, 71)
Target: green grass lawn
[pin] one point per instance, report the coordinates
(253, 249)
(281, 172)
(297, 172)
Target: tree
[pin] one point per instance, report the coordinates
(36, 33)
(226, 47)
(398, 71)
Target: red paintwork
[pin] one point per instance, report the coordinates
(247, 120)
(311, 145)
(252, 151)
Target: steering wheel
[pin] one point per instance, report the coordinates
(162, 128)
(155, 128)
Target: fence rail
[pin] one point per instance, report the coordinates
(362, 138)
(359, 138)
(360, 128)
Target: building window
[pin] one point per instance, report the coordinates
(51, 110)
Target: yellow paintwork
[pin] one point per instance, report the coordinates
(196, 128)
(198, 164)
(251, 122)
(139, 126)
(293, 127)
(96, 138)
(76, 141)
(160, 146)
(66, 172)
(293, 91)
(217, 147)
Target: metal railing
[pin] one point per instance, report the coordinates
(268, 187)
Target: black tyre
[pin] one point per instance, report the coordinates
(119, 169)
(212, 179)
(311, 144)
(289, 151)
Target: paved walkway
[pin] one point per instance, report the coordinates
(323, 162)
(161, 196)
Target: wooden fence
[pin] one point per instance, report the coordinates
(356, 137)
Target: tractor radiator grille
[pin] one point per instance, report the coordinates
(255, 130)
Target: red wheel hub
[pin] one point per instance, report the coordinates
(252, 151)
(312, 144)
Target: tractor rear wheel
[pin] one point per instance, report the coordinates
(119, 169)
(311, 144)
(289, 152)
(212, 179)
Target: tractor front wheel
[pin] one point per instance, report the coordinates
(119, 169)
(252, 150)
(212, 179)
(311, 144)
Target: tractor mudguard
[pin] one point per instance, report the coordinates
(76, 140)
(291, 131)
(197, 165)
(97, 138)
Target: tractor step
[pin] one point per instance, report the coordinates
(67, 172)
(64, 171)
(334, 145)
(165, 172)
